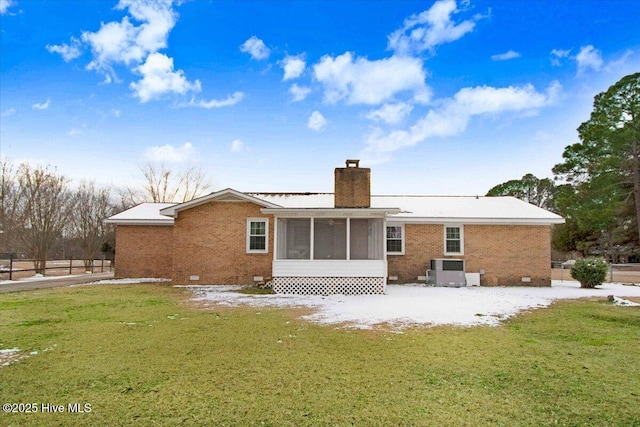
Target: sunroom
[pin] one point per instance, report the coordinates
(324, 251)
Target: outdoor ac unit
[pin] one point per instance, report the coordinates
(446, 272)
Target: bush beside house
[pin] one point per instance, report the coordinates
(590, 272)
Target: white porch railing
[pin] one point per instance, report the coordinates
(329, 268)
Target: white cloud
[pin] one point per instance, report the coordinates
(74, 131)
(67, 51)
(486, 99)
(390, 113)
(256, 48)
(557, 55)
(42, 105)
(588, 58)
(316, 122)
(237, 146)
(360, 81)
(505, 56)
(618, 63)
(116, 112)
(124, 42)
(299, 93)
(453, 115)
(293, 67)
(433, 27)
(135, 42)
(159, 78)
(5, 5)
(10, 112)
(169, 153)
(232, 99)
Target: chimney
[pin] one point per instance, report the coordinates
(352, 186)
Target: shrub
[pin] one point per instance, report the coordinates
(590, 272)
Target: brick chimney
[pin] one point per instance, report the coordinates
(352, 186)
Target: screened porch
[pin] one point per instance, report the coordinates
(328, 251)
(330, 239)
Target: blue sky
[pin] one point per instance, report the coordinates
(445, 97)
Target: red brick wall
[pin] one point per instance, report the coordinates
(210, 242)
(505, 252)
(144, 251)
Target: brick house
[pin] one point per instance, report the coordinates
(346, 242)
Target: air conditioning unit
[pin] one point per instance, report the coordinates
(446, 272)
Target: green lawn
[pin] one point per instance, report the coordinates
(142, 355)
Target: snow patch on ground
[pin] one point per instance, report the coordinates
(621, 301)
(13, 355)
(409, 305)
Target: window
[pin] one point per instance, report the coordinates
(395, 239)
(453, 237)
(257, 235)
(330, 238)
(294, 238)
(365, 238)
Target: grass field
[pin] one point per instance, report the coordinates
(143, 355)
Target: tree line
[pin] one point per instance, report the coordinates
(596, 187)
(44, 215)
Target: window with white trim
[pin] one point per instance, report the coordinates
(257, 235)
(395, 239)
(453, 240)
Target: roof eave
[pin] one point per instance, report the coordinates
(165, 222)
(476, 220)
(339, 212)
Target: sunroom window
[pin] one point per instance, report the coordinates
(294, 238)
(326, 239)
(330, 238)
(366, 239)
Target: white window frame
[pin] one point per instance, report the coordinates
(266, 236)
(459, 226)
(402, 238)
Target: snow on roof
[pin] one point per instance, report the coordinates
(226, 195)
(143, 214)
(298, 200)
(424, 209)
(468, 208)
(432, 208)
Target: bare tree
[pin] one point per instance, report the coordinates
(46, 206)
(9, 208)
(92, 206)
(164, 185)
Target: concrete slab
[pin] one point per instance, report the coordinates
(53, 282)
